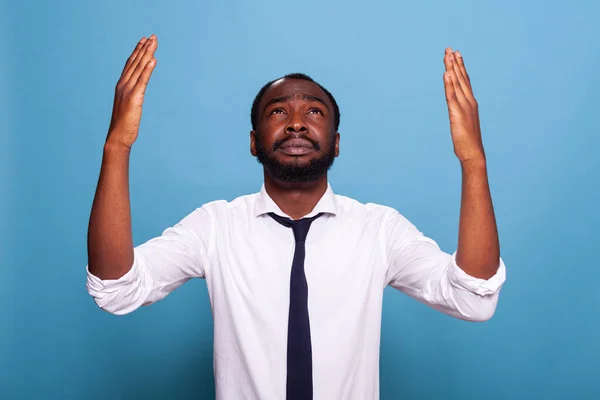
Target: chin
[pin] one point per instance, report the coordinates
(295, 160)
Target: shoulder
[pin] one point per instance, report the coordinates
(394, 228)
(220, 209)
(370, 210)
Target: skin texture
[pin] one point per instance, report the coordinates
(110, 243)
(478, 252)
(296, 110)
(288, 110)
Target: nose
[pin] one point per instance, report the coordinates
(296, 123)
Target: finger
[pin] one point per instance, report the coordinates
(142, 81)
(460, 94)
(462, 80)
(447, 58)
(148, 54)
(461, 63)
(137, 60)
(133, 55)
(449, 88)
(459, 75)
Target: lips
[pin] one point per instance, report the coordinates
(296, 147)
(296, 143)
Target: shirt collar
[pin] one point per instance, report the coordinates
(264, 204)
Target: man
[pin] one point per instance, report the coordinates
(295, 273)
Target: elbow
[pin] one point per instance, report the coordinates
(480, 309)
(481, 315)
(118, 296)
(476, 298)
(114, 306)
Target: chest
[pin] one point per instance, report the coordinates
(344, 263)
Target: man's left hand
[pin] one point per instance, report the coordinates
(462, 110)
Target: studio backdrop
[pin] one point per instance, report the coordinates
(534, 67)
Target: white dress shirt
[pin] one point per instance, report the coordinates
(353, 252)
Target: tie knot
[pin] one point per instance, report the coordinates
(299, 227)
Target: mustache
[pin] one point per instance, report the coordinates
(279, 143)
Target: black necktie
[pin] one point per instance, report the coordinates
(299, 350)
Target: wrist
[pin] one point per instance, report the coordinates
(113, 146)
(474, 165)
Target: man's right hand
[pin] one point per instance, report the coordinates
(129, 94)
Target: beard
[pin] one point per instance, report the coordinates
(295, 171)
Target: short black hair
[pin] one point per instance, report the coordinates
(261, 92)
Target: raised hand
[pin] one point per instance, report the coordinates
(129, 93)
(462, 110)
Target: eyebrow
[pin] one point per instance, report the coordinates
(283, 99)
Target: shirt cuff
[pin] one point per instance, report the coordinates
(101, 289)
(482, 287)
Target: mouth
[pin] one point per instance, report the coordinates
(296, 147)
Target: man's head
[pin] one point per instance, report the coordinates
(294, 129)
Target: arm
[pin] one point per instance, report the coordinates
(420, 269)
(122, 278)
(478, 251)
(159, 266)
(110, 244)
(465, 284)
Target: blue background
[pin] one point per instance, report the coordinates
(534, 66)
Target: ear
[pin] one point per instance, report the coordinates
(337, 144)
(253, 143)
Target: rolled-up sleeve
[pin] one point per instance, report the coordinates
(482, 287)
(161, 265)
(419, 268)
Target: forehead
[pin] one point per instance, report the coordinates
(294, 87)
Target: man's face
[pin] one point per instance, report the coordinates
(295, 138)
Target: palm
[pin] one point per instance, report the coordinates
(462, 108)
(130, 91)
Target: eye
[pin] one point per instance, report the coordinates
(277, 110)
(315, 110)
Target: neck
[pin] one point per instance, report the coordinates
(296, 199)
